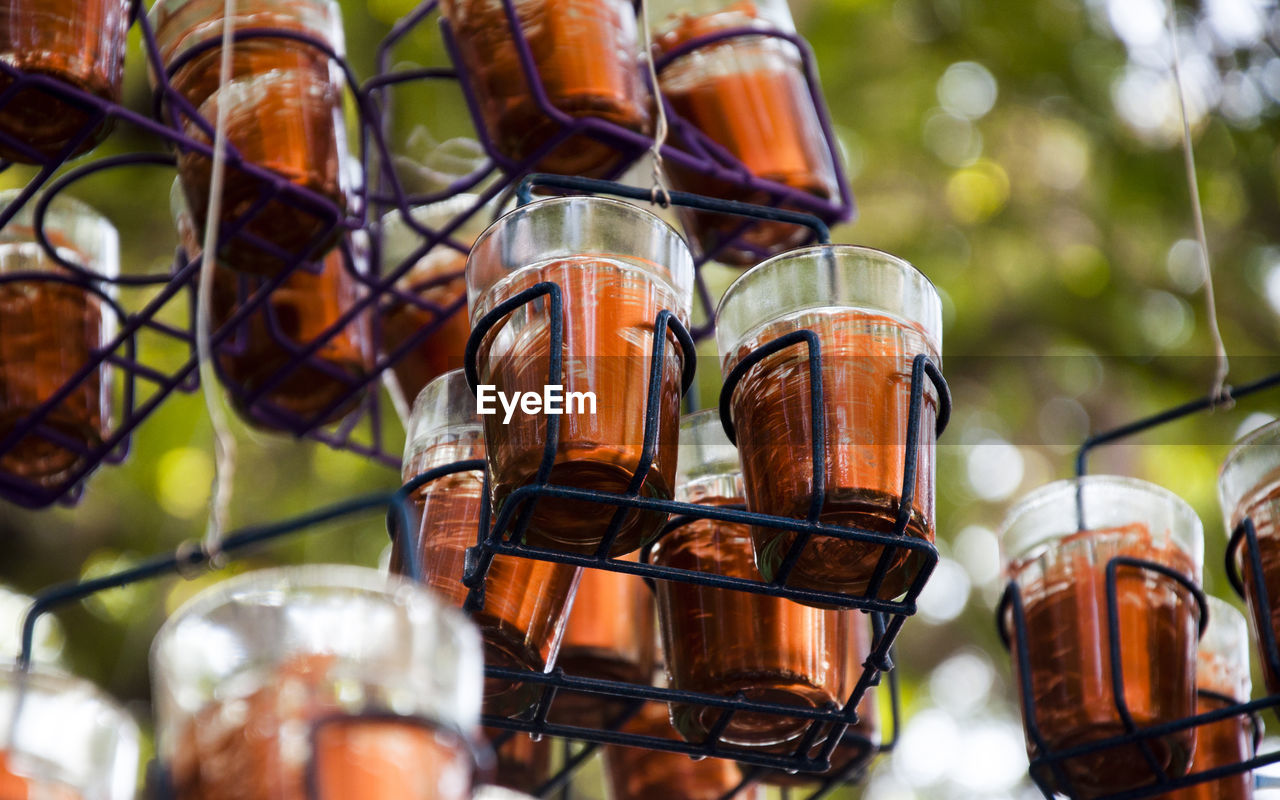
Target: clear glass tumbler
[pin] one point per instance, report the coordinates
(526, 602)
(78, 42)
(1249, 487)
(285, 114)
(617, 267)
(1222, 678)
(50, 330)
(269, 341)
(724, 642)
(873, 314)
(63, 739)
(586, 56)
(320, 681)
(1058, 562)
(610, 636)
(437, 277)
(748, 95)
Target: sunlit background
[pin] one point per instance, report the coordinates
(1025, 154)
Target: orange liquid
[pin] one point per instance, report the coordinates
(16, 787)
(1218, 745)
(258, 748)
(638, 774)
(610, 636)
(285, 115)
(866, 396)
(609, 311)
(523, 764)
(525, 602)
(48, 331)
(302, 308)
(1066, 613)
(78, 42)
(748, 95)
(1263, 507)
(441, 351)
(587, 57)
(772, 650)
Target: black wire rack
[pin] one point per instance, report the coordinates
(1048, 765)
(153, 302)
(501, 533)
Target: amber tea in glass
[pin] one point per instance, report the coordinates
(587, 58)
(616, 266)
(523, 763)
(78, 42)
(1058, 562)
(610, 636)
(269, 340)
(749, 95)
(1249, 488)
(285, 115)
(49, 331)
(320, 682)
(63, 739)
(1222, 678)
(873, 314)
(633, 773)
(726, 642)
(526, 602)
(437, 277)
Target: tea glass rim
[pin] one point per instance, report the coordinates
(928, 318)
(104, 265)
(678, 278)
(1067, 490)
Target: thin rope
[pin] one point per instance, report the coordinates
(224, 442)
(659, 193)
(1219, 391)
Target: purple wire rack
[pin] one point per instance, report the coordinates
(151, 298)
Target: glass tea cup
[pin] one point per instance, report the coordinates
(268, 342)
(53, 324)
(285, 115)
(437, 277)
(749, 95)
(725, 642)
(587, 60)
(872, 314)
(80, 43)
(63, 739)
(1222, 680)
(1058, 544)
(1249, 488)
(526, 602)
(326, 681)
(617, 267)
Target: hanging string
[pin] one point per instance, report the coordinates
(1219, 391)
(224, 443)
(659, 194)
